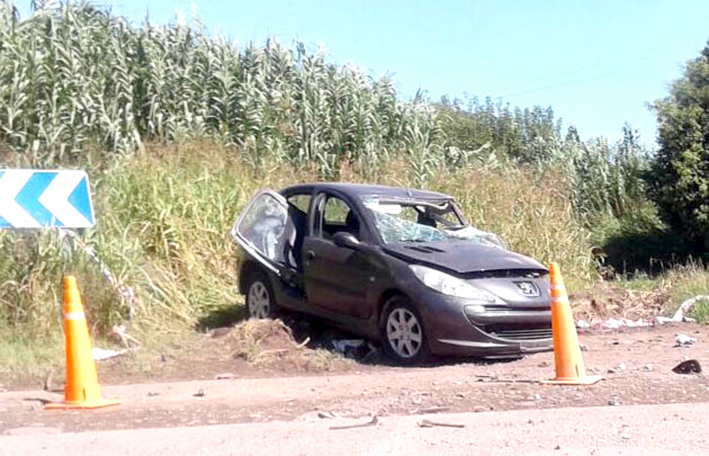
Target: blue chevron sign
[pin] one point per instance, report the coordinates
(45, 199)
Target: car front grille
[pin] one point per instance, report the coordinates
(519, 332)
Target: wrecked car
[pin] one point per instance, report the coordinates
(398, 265)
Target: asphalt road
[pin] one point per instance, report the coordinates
(657, 429)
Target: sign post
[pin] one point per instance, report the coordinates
(45, 199)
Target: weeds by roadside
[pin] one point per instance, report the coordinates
(164, 216)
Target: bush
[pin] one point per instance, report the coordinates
(680, 174)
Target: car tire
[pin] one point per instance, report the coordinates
(402, 332)
(260, 300)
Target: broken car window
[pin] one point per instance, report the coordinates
(395, 223)
(263, 226)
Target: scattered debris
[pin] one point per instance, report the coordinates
(647, 367)
(686, 307)
(613, 403)
(426, 411)
(616, 306)
(354, 348)
(120, 333)
(690, 366)
(227, 376)
(507, 380)
(429, 424)
(682, 340)
(101, 354)
(344, 345)
(645, 305)
(619, 368)
(153, 393)
(328, 415)
(479, 408)
(199, 393)
(373, 422)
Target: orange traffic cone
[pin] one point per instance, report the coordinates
(570, 369)
(82, 388)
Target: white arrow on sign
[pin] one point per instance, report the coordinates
(44, 199)
(10, 185)
(56, 199)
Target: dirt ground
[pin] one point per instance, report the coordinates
(233, 383)
(668, 429)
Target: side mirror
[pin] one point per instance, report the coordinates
(346, 240)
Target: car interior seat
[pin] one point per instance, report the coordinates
(352, 223)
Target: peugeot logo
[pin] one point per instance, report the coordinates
(528, 289)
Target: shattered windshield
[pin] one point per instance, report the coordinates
(422, 221)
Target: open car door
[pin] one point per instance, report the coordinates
(262, 230)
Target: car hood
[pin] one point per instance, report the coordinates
(462, 256)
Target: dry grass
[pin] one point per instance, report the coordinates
(269, 343)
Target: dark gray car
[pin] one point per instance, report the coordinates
(394, 264)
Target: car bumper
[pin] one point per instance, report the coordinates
(490, 349)
(453, 330)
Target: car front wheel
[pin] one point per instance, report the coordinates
(259, 297)
(402, 332)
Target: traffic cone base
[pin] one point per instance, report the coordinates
(82, 390)
(587, 380)
(568, 359)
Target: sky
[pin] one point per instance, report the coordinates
(596, 63)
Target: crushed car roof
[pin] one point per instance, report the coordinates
(370, 190)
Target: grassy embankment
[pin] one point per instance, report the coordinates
(163, 229)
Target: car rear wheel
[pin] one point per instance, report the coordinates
(402, 332)
(259, 297)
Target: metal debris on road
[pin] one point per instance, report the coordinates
(690, 366)
(429, 424)
(199, 393)
(373, 422)
(227, 376)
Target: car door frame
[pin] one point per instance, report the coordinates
(245, 244)
(317, 289)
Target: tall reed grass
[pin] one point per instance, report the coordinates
(164, 217)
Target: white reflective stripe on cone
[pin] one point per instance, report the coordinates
(74, 316)
(558, 287)
(560, 299)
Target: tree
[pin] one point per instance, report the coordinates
(680, 173)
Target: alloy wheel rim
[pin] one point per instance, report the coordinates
(259, 301)
(404, 333)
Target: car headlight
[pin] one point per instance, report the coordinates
(451, 286)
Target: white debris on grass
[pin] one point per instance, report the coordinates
(101, 354)
(682, 340)
(679, 317)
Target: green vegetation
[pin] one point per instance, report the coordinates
(178, 129)
(99, 80)
(681, 169)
